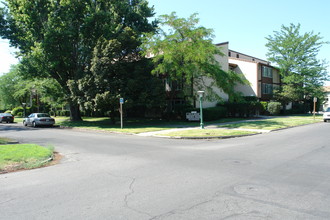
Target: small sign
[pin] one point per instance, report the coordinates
(315, 99)
(121, 100)
(192, 116)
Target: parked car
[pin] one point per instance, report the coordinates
(326, 115)
(39, 119)
(6, 117)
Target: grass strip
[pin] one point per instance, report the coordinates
(23, 156)
(4, 140)
(207, 133)
(133, 126)
(274, 123)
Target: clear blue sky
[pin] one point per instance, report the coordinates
(244, 23)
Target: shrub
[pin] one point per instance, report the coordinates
(264, 106)
(242, 109)
(62, 113)
(19, 114)
(274, 108)
(17, 110)
(214, 113)
(52, 113)
(8, 111)
(300, 108)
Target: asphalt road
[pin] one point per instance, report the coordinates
(278, 175)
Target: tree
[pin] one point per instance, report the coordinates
(7, 89)
(15, 90)
(117, 67)
(182, 50)
(295, 54)
(116, 75)
(56, 38)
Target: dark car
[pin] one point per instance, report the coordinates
(6, 117)
(39, 119)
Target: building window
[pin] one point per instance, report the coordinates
(267, 88)
(267, 72)
(237, 55)
(229, 53)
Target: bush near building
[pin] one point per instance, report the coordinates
(274, 108)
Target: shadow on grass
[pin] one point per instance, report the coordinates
(265, 124)
(105, 123)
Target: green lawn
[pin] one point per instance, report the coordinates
(133, 125)
(4, 140)
(23, 156)
(206, 133)
(275, 123)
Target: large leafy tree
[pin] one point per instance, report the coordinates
(7, 89)
(56, 38)
(183, 50)
(117, 67)
(295, 53)
(15, 90)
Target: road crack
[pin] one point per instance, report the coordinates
(129, 194)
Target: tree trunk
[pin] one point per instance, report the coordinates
(75, 112)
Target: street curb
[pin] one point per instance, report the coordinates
(12, 142)
(210, 137)
(94, 130)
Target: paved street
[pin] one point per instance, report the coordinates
(277, 175)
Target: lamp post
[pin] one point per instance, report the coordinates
(24, 104)
(200, 93)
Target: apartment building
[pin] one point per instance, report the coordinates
(263, 78)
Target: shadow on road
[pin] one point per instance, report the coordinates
(20, 127)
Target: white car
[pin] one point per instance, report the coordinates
(326, 115)
(39, 119)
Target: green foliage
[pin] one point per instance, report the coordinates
(245, 107)
(8, 88)
(274, 108)
(214, 113)
(296, 56)
(264, 105)
(20, 114)
(57, 39)
(182, 49)
(63, 113)
(17, 110)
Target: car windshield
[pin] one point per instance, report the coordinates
(6, 114)
(328, 110)
(43, 115)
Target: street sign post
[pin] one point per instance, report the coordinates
(121, 101)
(314, 100)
